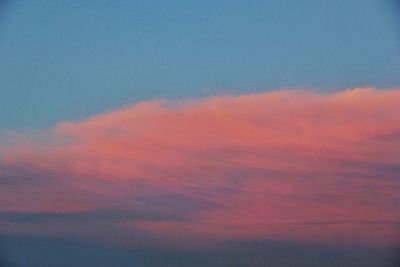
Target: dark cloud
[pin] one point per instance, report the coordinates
(96, 215)
(13, 177)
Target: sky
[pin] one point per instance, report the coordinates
(72, 59)
(199, 133)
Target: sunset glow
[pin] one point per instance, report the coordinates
(290, 165)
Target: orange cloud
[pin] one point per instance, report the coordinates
(293, 165)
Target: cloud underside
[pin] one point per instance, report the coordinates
(292, 165)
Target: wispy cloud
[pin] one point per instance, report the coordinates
(271, 165)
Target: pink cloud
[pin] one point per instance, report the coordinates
(293, 165)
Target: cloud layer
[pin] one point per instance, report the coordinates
(291, 165)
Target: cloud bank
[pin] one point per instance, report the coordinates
(286, 165)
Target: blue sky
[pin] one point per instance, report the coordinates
(70, 59)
